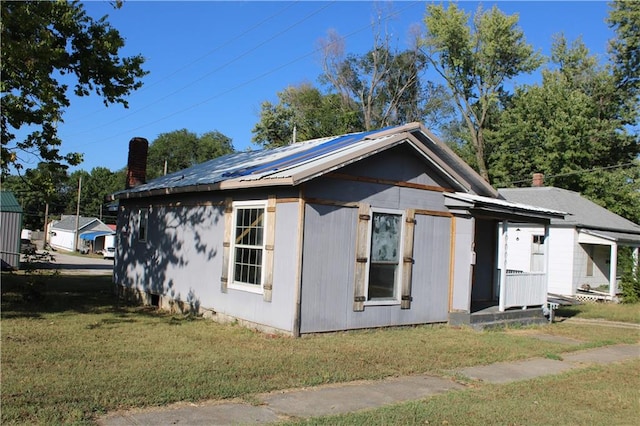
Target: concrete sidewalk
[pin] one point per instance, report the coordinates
(355, 396)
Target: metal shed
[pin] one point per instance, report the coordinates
(11, 226)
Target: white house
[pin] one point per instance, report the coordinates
(62, 233)
(579, 251)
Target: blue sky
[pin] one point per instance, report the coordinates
(213, 63)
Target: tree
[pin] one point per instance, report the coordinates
(45, 46)
(181, 149)
(383, 84)
(624, 49)
(476, 64)
(571, 127)
(305, 112)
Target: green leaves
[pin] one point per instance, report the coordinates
(40, 42)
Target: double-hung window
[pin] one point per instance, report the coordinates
(384, 272)
(247, 251)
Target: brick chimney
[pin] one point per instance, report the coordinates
(538, 180)
(137, 162)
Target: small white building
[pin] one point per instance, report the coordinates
(62, 233)
(579, 251)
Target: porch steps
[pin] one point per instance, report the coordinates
(492, 318)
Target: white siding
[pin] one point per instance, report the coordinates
(562, 246)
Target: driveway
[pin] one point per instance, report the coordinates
(70, 264)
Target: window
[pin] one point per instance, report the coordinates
(385, 259)
(246, 266)
(143, 225)
(590, 254)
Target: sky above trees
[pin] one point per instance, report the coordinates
(212, 64)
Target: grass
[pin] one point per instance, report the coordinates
(602, 395)
(623, 312)
(71, 352)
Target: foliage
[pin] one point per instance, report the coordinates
(305, 112)
(37, 188)
(624, 18)
(476, 64)
(630, 283)
(571, 127)
(44, 45)
(181, 149)
(383, 84)
(96, 185)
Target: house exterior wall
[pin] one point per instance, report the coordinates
(62, 239)
(10, 238)
(329, 254)
(181, 259)
(519, 245)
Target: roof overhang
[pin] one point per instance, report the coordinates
(479, 206)
(602, 237)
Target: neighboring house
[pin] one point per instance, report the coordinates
(11, 229)
(372, 229)
(580, 251)
(62, 233)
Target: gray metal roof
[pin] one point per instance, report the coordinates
(8, 202)
(68, 223)
(299, 162)
(582, 213)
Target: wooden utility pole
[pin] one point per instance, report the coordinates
(75, 241)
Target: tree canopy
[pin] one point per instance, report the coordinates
(181, 149)
(45, 47)
(476, 62)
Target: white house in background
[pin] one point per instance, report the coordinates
(578, 251)
(62, 233)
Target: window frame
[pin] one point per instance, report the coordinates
(143, 230)
(397, 285)
(239, 285)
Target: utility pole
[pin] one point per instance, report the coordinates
(75, 242)
(46, 221)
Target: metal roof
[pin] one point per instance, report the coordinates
(299, 162)
(9, 203)
(68, 223)
(582, 213)
(95, 234)
(503, 207)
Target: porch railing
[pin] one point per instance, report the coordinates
(524, 289)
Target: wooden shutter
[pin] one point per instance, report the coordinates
(362, 256)
(226, 243)
(407, 258)
(270, 238)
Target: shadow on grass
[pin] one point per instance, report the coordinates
(32, 296)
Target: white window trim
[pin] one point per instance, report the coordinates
(232, 284)
(398, 282)
(143, 212)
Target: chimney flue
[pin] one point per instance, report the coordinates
(538, 180)
(137, 162)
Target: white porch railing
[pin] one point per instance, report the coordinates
(524, 289)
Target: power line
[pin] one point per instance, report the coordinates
(221, 67)
(247, 82)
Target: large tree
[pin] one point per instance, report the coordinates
(303, 113)
(384, 84)
(476, 62)
(45, 47)
(180, 149)
(573, 128)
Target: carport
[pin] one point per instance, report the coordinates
(95, 239)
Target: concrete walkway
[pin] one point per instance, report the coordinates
(355, 396)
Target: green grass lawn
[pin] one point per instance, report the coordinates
(602, 395)
(624, 312)
(71, 352)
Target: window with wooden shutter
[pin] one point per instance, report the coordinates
(362, 257)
